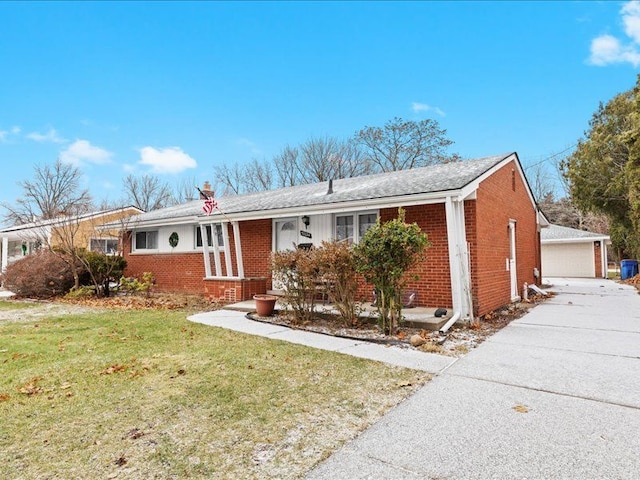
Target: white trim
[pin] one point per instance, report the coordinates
(236, 237)
(5, 254)
(512, 261)
(216, 251)
(473, 186)
(576, 240)
(216, 277)
(603, 259)
(134, 241)
(227, 249)
(205, 249)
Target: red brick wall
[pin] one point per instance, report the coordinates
(498, 202)
(184, 272)
(597, 251)
(433, 284)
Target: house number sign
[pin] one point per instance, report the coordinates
(305, 234)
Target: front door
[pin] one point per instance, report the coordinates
(512, 261)
(286, 234)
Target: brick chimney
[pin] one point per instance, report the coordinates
(206, 189)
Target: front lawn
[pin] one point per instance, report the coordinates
(14, 305)
(148, 394)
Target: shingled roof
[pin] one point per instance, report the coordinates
(560, 233)
(425, 180)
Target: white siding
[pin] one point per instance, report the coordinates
(320, 227)
(568, 260)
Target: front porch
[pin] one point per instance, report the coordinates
(414, 317)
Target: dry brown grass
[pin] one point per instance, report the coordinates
(147, 394)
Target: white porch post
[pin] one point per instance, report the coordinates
(216, 249)
(458, 258)
(236, 237)
(5, 254)
(205, 250)
(227, 249)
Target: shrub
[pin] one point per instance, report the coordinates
(40, 275)
(297, 271)
(336, 265)
(102, 269)
(132, 285)
(384, 255)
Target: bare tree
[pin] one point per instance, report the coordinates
(146, 192)
(286, 167)
(230, 179)
(54, 190)
(258, 176)
(404, 144)
(540, 180)
(327, 158)
(185, 191)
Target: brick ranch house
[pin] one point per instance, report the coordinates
(480, 217)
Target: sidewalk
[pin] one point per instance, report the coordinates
(554, 395)
(403, 357)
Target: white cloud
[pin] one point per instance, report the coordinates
(607, 49)
(423, 107)
(631, 20)
(166, 160)
(50, 136)
(5, 134)
(81, 151)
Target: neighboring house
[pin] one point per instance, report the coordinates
(21, 240)
(480, 217)
(569, 252)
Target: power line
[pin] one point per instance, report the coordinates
(552, 156)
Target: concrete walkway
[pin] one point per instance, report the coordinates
(554, 395)
(403, 357)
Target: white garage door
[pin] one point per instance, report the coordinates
(568, 260)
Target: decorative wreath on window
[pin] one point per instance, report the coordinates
(174, 239)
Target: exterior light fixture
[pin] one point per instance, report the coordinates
(306, 220)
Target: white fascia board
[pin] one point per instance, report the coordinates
(473, 186)
(576, 240)
(543, 222)
(166, 222)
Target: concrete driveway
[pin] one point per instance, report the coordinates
(554, 395)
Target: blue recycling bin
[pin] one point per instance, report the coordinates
(628, 268)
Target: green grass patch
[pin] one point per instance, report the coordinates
(148, 394)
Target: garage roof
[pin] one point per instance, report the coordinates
(558, 233)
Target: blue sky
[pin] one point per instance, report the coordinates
(177, 88)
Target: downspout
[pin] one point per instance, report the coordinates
(456, 234)
(450, 322)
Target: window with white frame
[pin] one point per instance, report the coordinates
(351, 227)
(219, 236)
(147, 240)
(104, 245)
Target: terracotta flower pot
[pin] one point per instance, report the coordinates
(265, 304)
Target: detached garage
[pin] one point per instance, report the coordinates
(569, 252)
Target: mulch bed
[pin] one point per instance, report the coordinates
(456, 342)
